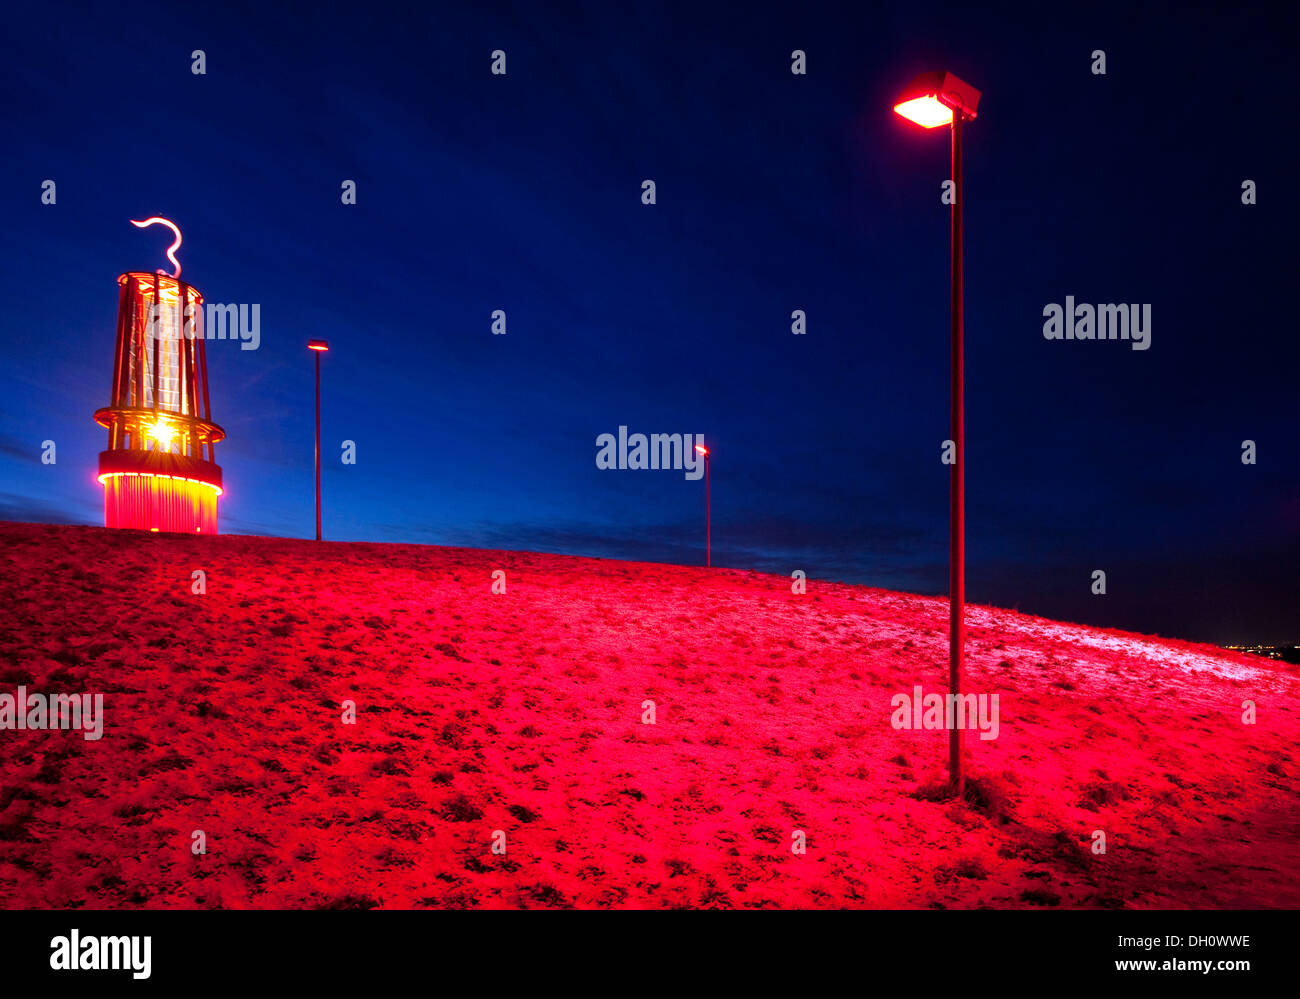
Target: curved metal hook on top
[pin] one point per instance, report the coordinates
(171, 250)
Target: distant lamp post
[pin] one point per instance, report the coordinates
(318, 347)
(931, 100)
(708, 522)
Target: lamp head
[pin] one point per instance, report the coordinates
(931, 99)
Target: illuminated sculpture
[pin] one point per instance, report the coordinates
(160, 471)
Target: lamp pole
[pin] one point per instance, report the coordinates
(708, 517)
(934, 99)
(317, 347)
(957, 479)
(708, 513)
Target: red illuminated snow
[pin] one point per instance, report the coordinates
(522, 713)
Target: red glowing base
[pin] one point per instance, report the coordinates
(156, 491)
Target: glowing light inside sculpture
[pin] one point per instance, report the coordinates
(163, 433)
(171, 250)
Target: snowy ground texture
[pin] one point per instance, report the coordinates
(522, 712)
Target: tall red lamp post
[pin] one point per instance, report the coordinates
(931, 100)
(708, 514)
(317, 347)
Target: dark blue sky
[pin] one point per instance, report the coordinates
(775, 192)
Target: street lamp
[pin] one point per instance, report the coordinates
(931, 100)
(708, 524)
(318, 347)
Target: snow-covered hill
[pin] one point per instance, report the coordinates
(521, 718)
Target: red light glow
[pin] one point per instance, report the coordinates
(927, 111)
(701, 449)
(217, 490)
(158, 502)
